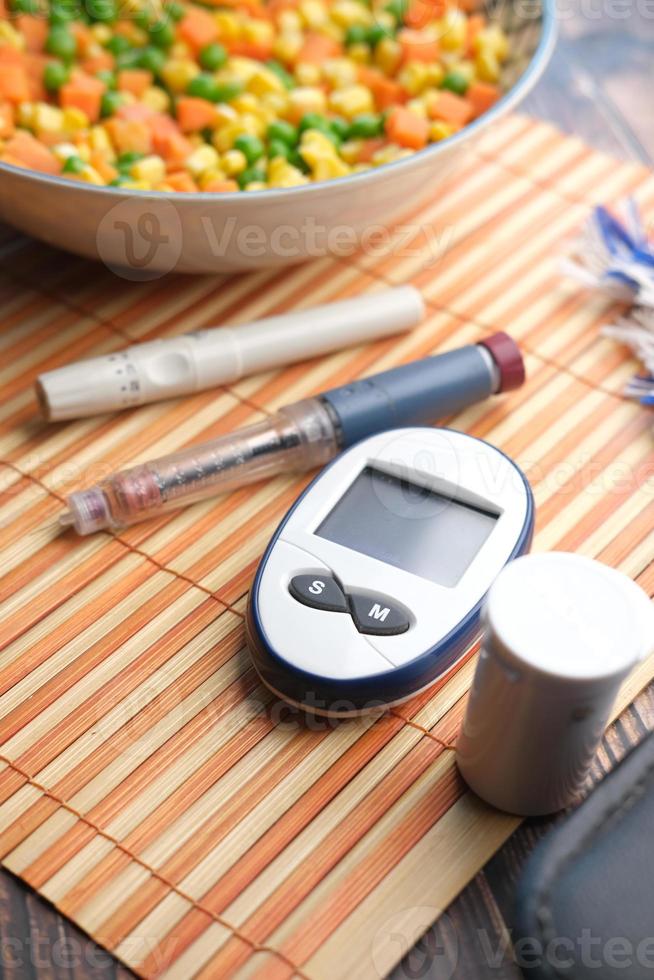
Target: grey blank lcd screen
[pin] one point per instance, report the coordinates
(411, 527)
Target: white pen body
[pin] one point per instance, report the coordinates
(193, 362)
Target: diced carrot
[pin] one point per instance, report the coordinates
(193, 114)
(258, 50)
(451, 108)
(85, 93)
(369, 147)
(134, 80)
(100, 163)
(6, 120)
(317, 48)
(103, 61)
(276, 7)
(386, 92)
(83, 35)
(474, 24)
(198, 28)
(180, 180)
(129, 135)
(14, 83)
(418, 46)
(407, 128)
(34, 30)
(482, 95)
(26, 150)
(220, 186)
(136, 111)
(168, 141)
(421, 12)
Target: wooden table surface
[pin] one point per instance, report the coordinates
(598, 86)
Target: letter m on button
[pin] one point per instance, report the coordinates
(378, 613)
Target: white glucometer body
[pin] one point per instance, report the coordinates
(372, 585)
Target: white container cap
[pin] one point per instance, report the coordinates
(568, 617)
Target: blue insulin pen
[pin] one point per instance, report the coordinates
(302, 435)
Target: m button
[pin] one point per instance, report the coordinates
(377, 615)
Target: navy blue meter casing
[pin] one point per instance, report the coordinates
(372, 585)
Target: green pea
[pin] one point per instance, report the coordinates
(152, 59)
(118, 45)
(340, 127)
(226, 91)
(313, 120)
(111, 102)
(250, 175)
(398, 9)
(129, 59)
(213, 57)
(162, 34)
(278, 148)
(55, 74)
(104, 11)
(119, 180)
(282, 132)
(174, 10)
(296, 158)
(73, 165)
(287, 79)
(376, 33)
(108, 77)
(203, 86)
(125, 160)
(142, 19)
(25, 6)
(456, 82)
(61, 43)
(356, 34)
(250, 146)
(366, 126)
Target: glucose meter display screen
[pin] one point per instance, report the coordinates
(411, 527)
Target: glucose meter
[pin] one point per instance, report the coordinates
(372, 585)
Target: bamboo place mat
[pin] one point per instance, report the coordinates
(150, 788)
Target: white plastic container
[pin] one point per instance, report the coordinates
(562, 633)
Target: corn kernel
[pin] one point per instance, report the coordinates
(101, 33)
(440, 131)
(360, 53)
(349, 12)
(320, 154)
(493, 39)
(286, 47)
(99, 140)
(89, 175)
(389, 153)
(339, 72)
(313, 13)
(453, 30)
(75, 119)
(290, 22)
(178, 72)
(435, 74)
(179, 50)
(307, 74)
(25, 114)
(64, 150)
(303, 99)
(233, 162)
(209, 175)
(414, 76)
(9, 35)
(259, 31)
(255, 185)
(200, 160)
(352, 101)
(228, 24)
(155, 98)
(487, 67)
(150, 169)
(276, 102)
(264, 81)
(418, 106)
(388, 55)
(283, 174)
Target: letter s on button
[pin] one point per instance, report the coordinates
(316, 587)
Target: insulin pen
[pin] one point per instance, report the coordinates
(300, 436)
(192, 362)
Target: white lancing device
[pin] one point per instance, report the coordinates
(192, 362)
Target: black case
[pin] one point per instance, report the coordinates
(585, 902)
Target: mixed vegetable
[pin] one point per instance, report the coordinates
(236, 94)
